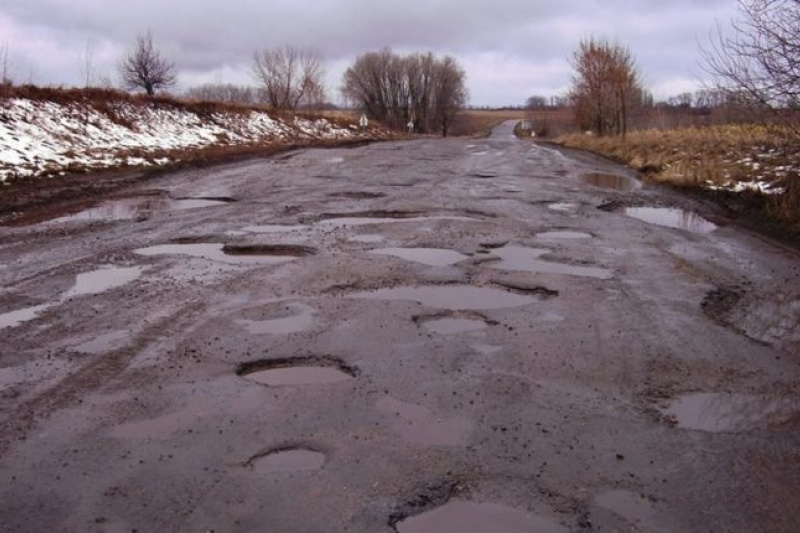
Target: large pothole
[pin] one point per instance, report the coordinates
(286, 459)
(311, 370)
(459, 516)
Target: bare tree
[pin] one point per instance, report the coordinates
(144, 67)
(5, 69)
(290, 76)
(606, 88)
(419, 89)
(86, 62)
(224, 92)
(758, 65)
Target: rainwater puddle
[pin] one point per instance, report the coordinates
(527, 260)
(732, 413)
(563, 207)
(611, 181)
(558, 235)
(102, 280)
(284, 325)
(418, 425)
(454, 326)
(458, 516)
(287, 461)
(297, 371)
(453, 297)
(672, 218)
(214, 252)
(13, 319)
(142, 207)
(427, 256)
(630, 506)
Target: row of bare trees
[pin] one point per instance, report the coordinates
(420, 90)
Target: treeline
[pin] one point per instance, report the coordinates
(419, 91)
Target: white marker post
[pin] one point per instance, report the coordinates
(363, 121)
(410, 126)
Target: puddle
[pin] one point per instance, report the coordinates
(427, 256)
(215, 252)
(284, 325)
(732, 413)
(527, 260)
(275, 228)
(458, 516)
(297, 371)
(453, 297)
(632, 507)
(102, 279)
(276, 250)
(611, 181)
(557, 235)
(368, 238)
(141, 207)
(672, 218)
(287, 461)
(563, 207)
(454, 326)
(418, 425)
(13, 319)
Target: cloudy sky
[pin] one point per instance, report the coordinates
(511, 49)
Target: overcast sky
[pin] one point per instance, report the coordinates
(510, 49)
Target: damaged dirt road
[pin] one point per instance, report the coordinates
(431, 335)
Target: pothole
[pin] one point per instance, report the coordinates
(483, 175)
(563, 235)
(612, 181)
(563, 207)
(141, 208)
(235, 255)
(363, 218)
(286, 460)
(527, 260)
(459, 516)
(279, 250)
(367, 238)
(453, 297)
(436, 257)
(454, 323)
(732, 413)
(671, 218)
(358, 195)
(102, 279)
(297, 371)
(13, 319)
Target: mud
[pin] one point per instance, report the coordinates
(560, 366)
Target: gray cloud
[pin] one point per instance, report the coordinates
(510, 48)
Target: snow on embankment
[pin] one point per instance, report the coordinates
(40, 137)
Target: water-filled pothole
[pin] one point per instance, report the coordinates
(368, 238)
(141, 208)
(527, 260)
(563, 234)
(458, 516)
(297, 371)
(732, 413)
(427, 256)
(286, 460)
(382, 217)
(455, 326)
(276, 250)
(13, 319)
(612, 181)
(216, 252)
(563, 207)
(672, 218)
(453, 297)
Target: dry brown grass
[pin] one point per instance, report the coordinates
(731, 157)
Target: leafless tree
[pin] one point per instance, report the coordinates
(224, 92)
(5, 68)
(290, 76)
(144, 67)
(758, 64)
(396, 90)
(86, 62)
(606, 88)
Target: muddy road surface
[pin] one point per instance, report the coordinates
(432, 335)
